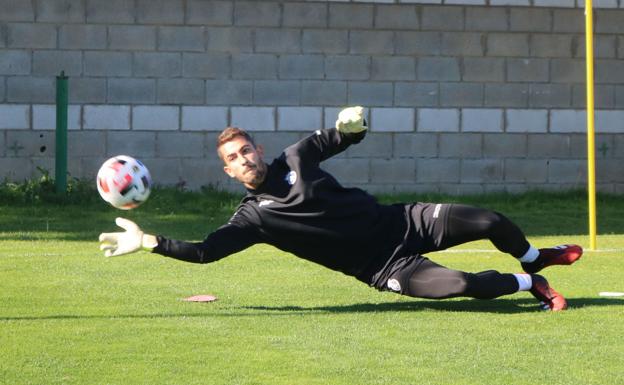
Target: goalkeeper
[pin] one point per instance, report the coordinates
(298, 207)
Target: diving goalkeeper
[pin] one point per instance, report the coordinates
(296, 206)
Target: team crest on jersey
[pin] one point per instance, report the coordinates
(291, 178)
(394, 285)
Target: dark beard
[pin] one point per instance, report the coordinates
(257, 176)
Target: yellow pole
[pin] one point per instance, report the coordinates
(591, 147)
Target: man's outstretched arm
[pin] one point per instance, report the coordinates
(226, 240)
(350, 129)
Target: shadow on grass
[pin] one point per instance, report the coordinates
(499, 306)
(509, 306)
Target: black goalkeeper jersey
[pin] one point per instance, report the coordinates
(302, 209)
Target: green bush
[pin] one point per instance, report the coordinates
(42, 190)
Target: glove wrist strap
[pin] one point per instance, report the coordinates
(148, 242)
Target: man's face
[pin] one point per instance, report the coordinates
(243, 161)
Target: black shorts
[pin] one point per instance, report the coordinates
(400, 273)
(433, 227)
(425, 233)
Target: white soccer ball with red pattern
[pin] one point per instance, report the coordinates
(124, 182)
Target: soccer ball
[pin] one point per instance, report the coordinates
(124, 182)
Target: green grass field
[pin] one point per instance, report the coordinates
(70, 316)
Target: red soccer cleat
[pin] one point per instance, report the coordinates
(548, 297)
(558, 255)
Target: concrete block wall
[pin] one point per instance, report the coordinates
(463, 96)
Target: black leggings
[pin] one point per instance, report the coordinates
(434, 281)
(466, 224)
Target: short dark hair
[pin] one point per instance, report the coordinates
(229, 134)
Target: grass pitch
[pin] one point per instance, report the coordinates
(70, 316)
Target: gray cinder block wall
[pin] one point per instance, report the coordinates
(463, 96)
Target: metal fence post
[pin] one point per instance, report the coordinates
(60, 175)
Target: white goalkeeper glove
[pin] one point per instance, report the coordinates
(129, 241)
(351, 120)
